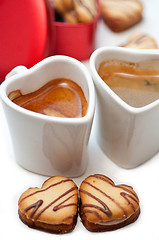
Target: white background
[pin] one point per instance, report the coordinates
(144, 179)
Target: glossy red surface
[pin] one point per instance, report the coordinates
(24, 33)
(29, 33)
(76, 40)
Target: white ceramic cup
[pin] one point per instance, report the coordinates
(44, 144)
(129, 136)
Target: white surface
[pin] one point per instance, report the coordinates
(144, 179)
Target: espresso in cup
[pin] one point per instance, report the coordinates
(59, 98)
(135, 83)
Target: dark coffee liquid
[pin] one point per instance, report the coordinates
(135, 83)
(59, 97)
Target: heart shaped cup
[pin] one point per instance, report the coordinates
(129, 136)
(44, 144)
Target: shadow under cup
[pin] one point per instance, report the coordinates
(44, 144)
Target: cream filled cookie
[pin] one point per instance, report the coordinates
(105, 206)
(52, 208)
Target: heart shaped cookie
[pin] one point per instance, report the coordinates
(105, 206)
(52, 208)
(76, 11)
(121, 14)
(141, 41)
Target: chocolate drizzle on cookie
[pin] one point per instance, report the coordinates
(62, 205)
(75, 11)
(51, 208)
(106, 210)
(35, 207)
(92, 11)
(45, 189)
(106, 202)
(39, 209)
(49, 205)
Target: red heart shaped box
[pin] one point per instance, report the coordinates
(29, 33)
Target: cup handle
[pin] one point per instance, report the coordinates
(15, 71)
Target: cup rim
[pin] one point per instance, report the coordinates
(32, 70)
(150, 53)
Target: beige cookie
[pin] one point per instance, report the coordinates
(141, 41)
(68, 4)
(71, 17)
(85, 10)
(105, 206)
(76, 11)
(121, 14)
(59, 6)
(52, 208)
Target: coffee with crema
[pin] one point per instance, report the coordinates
(135, 83)
(59, 98)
